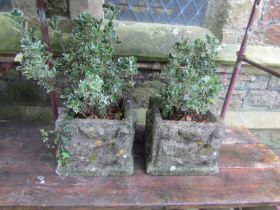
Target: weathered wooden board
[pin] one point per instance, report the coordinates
(249, 176)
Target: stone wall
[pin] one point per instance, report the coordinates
(15, 90)
(254, 90)
(266, 29)
(92, 6)
(54, 7)
(64, 8)
(269, 24)
(58, 7)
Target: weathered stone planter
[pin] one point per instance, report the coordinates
(180, 147)
(97, 147)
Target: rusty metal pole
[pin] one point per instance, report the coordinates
(45, 38)
(238, 64)
(261, 67)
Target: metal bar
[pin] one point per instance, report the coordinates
(238, 64)
(45, 37)
(259, 66)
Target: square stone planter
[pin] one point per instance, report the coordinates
(181, 147)
(96, 147)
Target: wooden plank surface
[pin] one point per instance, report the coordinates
(249, 176)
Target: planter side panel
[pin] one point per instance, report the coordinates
(182, 148)
(98, 147)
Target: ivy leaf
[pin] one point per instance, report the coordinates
(94, 79)
(53, 23)
(191, 80)
(18, 58)
(17, 13)
(65, 139)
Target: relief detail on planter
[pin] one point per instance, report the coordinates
(98, 147)
(182, 147)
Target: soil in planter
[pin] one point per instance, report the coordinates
(182, 116)
(112, 113)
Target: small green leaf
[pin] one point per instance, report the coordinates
(65, 139)
(17, 13)
(190, 75)
(18, 58)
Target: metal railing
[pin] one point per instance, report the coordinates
(241, 57)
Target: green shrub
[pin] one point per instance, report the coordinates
(33, 60)
(95, 80)
(192, 82)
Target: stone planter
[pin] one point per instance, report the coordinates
(180, 147)
(96, 147)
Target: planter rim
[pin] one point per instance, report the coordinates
(128, 111)
(154, 105)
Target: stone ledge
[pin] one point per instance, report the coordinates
(144, 40)
(147, 41)
(266, 55)
(152, 42)
(245, 70)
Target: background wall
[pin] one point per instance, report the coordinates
(267, 28)
(230, 16)
(256, 101)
